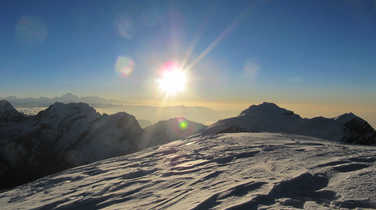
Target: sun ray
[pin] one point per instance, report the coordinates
(221, 36)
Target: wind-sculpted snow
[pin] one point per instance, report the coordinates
(225, 171)
(268, 117)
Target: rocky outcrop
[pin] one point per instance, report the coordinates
(60, 137)
(268, 117)
(358, 131)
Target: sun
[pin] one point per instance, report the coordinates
(172, 80)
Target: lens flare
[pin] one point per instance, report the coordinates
(183, 124)
(172, 79)
(124, 65)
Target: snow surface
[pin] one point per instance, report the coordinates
(235, 171)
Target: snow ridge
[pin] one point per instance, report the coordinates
(268, 117)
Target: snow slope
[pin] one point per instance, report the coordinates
(234, 171)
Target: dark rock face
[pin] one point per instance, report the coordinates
(60, 137)
(268, 117)
(358, 131)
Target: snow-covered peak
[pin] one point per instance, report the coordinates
(60, 110)
(268, 117)
(120, 120)
(69, 97)
(8, 112)
(62, 136)
(121, 115)
(168, 130)
(344, 118)
(178, 124)
(265, 108)
(5, 106)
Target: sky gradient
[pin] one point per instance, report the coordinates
(315, 54)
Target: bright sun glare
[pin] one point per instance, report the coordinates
(173, 80)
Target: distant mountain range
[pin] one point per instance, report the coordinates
(66, 98)
(148, 114)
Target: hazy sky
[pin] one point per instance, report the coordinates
(293, 52)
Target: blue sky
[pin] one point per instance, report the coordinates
(289, 51)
